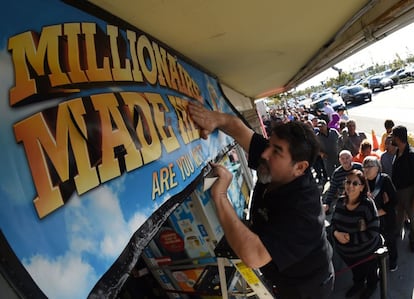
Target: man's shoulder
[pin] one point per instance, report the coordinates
(338, 169)
(356, 165)
(361, 135)
(334, 132)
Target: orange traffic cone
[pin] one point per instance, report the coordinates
(375, 145)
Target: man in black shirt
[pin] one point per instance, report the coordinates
(286, 238)
(403, 179)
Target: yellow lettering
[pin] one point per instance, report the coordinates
(119, 74)
(136, 70)
(145, 51)
(76, 74)
(107, 106)
(167, 134)
(49, 196)
(155, 185)
(44, 151)
(87, 178)
(145, 129)
(94, 72)
(75, 53)
(186, 166)
(162, 66)
(197, 155)
(28, 48)
(165, 181)
(175, 77)
(172, 176)
(186, 125)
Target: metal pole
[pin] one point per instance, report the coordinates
(382, 254)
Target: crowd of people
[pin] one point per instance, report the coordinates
(373, 186)
(367, 189)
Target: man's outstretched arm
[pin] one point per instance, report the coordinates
(245, 243)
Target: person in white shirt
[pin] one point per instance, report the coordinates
(328, 110)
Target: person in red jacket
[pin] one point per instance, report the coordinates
(365, 150)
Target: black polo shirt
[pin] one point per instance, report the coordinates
(290, 222)
(403, 168)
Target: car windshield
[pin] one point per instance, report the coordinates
(355, 89)
(321, 103)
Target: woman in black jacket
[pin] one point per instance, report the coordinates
(382, 191)
(355, 227)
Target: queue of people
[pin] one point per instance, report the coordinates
(370, 197)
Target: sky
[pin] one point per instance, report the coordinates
(385, 50)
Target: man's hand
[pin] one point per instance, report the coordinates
(207, 120)
(342, 237)
(220, 186)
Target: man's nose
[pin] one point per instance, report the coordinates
(265, 154)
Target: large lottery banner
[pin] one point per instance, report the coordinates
(97, 147)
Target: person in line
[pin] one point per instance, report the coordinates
(318, 166)
(343, 116)
(336, 186)
(387, 156)
(350, 138)
(403, 179)
(286, 238)
(342, 127)
(365, 150)
(328, 141)
(355, 228)
(388, 125)
(334, 123)
(382, 191)
(328, 110)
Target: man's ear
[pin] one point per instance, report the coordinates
(300, 167)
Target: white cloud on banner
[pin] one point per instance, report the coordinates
(97, 232)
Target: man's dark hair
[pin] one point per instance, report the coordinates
(401, 133)
(303, 145)
(389, 124)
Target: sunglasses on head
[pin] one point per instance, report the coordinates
(354, 183)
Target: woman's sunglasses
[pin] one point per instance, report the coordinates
(354, 183)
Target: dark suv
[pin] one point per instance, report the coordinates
(356, 93)
(380, 82)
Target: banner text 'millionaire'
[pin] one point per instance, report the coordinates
(67, 56)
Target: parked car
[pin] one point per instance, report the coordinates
(356, 93)
(340, 88)
(335, 101)
(393, 74)
(407, 73)
(380, 82)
